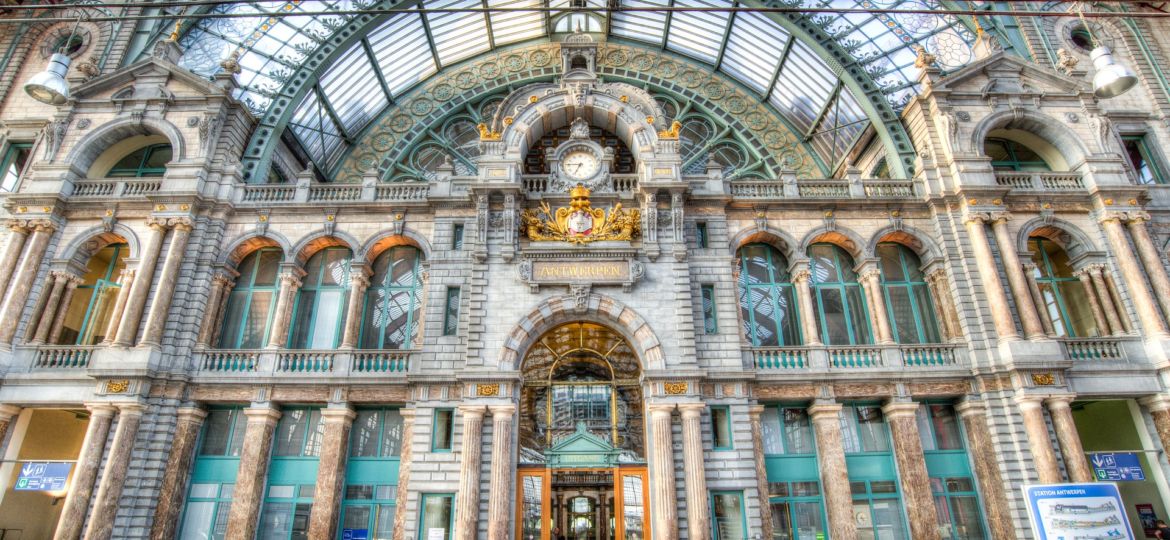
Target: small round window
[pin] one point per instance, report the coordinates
(69, 45)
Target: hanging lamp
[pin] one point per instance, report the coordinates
(50, 86)
(1112, 79)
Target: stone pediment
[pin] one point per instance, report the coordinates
(150, 79)
(582, 449)
(1002, 73)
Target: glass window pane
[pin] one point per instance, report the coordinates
(357, 518)
(770, 431)
(366, 427)
(276, 521)
(901, 311)
(392, 433)
(728, 518)
(216, 432)
(442, 429)
(436, 517)
(946, 427)
(255, 331)
(891, 261)
(531, 511)
(872, 429)
(290, 432)
(834, 329)
(798, 435)
(197, 520)
(267, 268)
(633, 507)
(384, 527)
(233, 319)
(859, 319)
(721, 427)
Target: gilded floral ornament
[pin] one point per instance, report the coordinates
(486, 133)
(579, 222)
(671, 133)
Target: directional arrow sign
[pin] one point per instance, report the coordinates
(43, 476)
(1118, 467)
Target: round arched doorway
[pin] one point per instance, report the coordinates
(582, 438)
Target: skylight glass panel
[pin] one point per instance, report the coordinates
(319, 136)
(640, 25)
(513, 26)
(843, 123)
(458, 35)
(804, 86)
(352, 88)
(698, 33)
(402, 51)
(754, 49)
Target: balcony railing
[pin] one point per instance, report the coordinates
(63, 357)
(298, 362)
(850, 358)
(332, 193)
(823, 189)
(1105, 349)
(539, 183)
(1040, 181)
(116, 187)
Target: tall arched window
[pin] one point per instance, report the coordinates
(766, 302)
(1063, 295)
(394, 300)
(89, 311)
(319, 312)
(841, 315)
(149, 161)
(912, 314)
(252, 302)
(1009, 155)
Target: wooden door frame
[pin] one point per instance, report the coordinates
(617, 512)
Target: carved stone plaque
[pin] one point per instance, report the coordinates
(591, 272)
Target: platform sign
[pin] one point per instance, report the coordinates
(1068, 511)
(1117, 467)
(43, 476)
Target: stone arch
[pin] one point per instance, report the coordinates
(1068, 236)
(782, 241)
(597, 308)
(917, 240)
(83, 154)
(842, 237)
(251, 241)
(384, 240)
(1052, 130)
(90, 241)
(321, 239)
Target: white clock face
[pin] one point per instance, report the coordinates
(580, 164)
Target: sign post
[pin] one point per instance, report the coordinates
(1117, 467)
(43, 476)
(1065, 511)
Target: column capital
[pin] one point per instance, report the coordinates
(472, 410)
(8, 412)
(157, 223)
(822, 409)
(667, 408)
(262, 414)
(692, 409)
(756, 410)
(1059, 402)
(98, 409)
(895, 409)
(131, 409)
(971, 407)
(502, 410)
(408, 413)
(17, 226)
(1028, 402)
(192, 413)
(1123, 216)
(1136, 219)
(338, 415)
(1155, 403)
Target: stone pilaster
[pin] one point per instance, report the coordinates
(17, 234)
(85, 472)
(22, 280)
(993, 291)
(912, 473)
(808, 315)
(1025, 307)
(245, 511)
(39, 325)
(826, 420)
(105, 504)
(401, 512)
(663, 499)
(500, 504)
(125, 281)
(766, 526)
(290, 282)
(358, 283)
(1070, 441)
(326, 511)
(467, 498)
(1131, 271)
(1155, 268)
(221, 287)
(1043, 455)
(156, 320)
(174, 481)
(140, 288)
(1103, 325)
(991, 486)
(698, 508)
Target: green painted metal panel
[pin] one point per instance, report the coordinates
(372, 471)
(215, 469)
(293, 471)
(945, 464)
(871, 467)
(792, 468)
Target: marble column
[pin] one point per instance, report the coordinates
(8, 413)
(42, 320)
(58, 325)
(171, 495)
(467, 498)
(663, 499)
(1105, 299)
(85, 472)
(1025, 307)
(326, 511)
(1155, 268)
(18, 233)
(125, 282)
(156, 320)
(500, 504)
(808, 315)
(1071, 450)
(755, 413)
(1103, 326)
(290, 282)
(698, 507)
(22, 280)
(358, 282)
(826, 420)
(221, 287)
(993, 291)
(912, 475)
(991, 486)
(1118, 305)
(1159, 407)
(144, 276)
(944, 305)
(1038, 298)
(253, 470)
(401, 510)
(1131, 271)
(872, 282)
(1043, 455)
(105, 504)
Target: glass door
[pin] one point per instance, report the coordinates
(633, 496)
(534, 505)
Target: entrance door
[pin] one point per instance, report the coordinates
(583, 504)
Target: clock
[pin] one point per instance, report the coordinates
(580, 164)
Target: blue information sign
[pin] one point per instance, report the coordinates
(1068, 511)
(1117, 467)
(43, 476)
(355, 534)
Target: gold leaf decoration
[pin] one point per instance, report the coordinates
(579, 222)
(674, 388)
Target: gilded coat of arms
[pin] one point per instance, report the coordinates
(580, 222)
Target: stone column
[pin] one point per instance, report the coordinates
(1070, 441)
(808, 315)
(125, 282)
(663, 499)
(1103, 325)
(698, 508)
(872, 281)
(991, 486)
(221, 287)
(85, 472)
(919, 502)
(105, 504)
(467, 498)
(1043, 455)
(18, 233)
(290, 281)
(401, 512)
(1155, 268)
(1118, 305)
(245, 511)
(358, 282)
(940, 293)
(40, 326)
(500, 504)
(1025, 307)
(1132, 273)
(22, 281)
(63, 310)
(8, 413)
(826, 420)
(326, 511)
(1159, 407)
(1038, 298)
(1105, 299)
(766, 526)
(140, 288)
(156, 320)
(1005, 328)
(171, 495)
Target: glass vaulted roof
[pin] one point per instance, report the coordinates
(406, 48)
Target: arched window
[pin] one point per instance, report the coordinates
(766, 303)
(149, 161)
(252, 303)
(319, 312)
(88, 313)
(1009, 155)
(394, 300)
(841, 315)
(912, 315)
(1063, 295)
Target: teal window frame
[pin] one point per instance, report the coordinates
(376, 471)
(869, 496)
(702, 236)
(925, 317)
(422, 513)
(850, 293)
(141, 170)
(710, 318)
(790, 501)
(312, 284)
(214, 469)
(99, 288)
(379, 299)
(457, 231)
(298, 501)
(374, 504)
(778, 285)
(14, 164)
(715, 533)
(867, 466)
(1047, 281)
(450, 430)
(1149, 160)
(451, 312)
(1013, 161)
(249, 290)
(298, 470)
(726, 412)
(946, 464)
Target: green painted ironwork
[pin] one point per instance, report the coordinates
(901, 275)
(764, 284)
(328, 276)
(833, 275)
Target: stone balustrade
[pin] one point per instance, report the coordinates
(116, 187)
(1040, 181)
(62, 357)
(291, 364)
(857, 357)
(1115, 349)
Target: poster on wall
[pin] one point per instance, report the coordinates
(1148, 519)
(1065, 511)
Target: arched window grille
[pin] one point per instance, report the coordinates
(841, 310)
(150, 161)
(1062, 294)
(766, 302)
(319, 312)
(92, 304)
(252, 303)
(1009, 155)
(394, 300)
(912, 315)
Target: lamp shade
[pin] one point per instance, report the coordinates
(50, 86)
(1112, 79)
